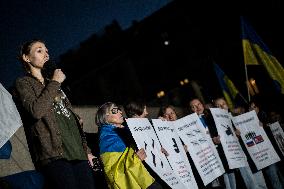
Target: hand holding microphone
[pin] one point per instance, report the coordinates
(58, 76)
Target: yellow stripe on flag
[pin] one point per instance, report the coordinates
(249, 56)
(125, 170)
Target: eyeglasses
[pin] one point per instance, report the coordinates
(169, 114)
(115, 110)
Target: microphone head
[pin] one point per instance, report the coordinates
(48, 69)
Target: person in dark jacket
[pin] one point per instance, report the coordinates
(272, 173)
(208, 122)
(138, 109)
(252, 177)
(55, 133)
(123, 165)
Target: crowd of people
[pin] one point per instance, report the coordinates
(60, 152)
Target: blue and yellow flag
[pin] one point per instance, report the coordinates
(229, 90)
(122, 166)
(257, 53)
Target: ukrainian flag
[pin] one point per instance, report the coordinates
(229, 90)
(257, 53)
(122, 166)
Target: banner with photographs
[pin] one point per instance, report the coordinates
(255, 139)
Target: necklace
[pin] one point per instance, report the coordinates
(39, 80)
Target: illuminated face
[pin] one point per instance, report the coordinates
(170, 114)
(114, 116)
(221, 103)
(254, 107)
(38, 55)
(196, 106)
(145, 113)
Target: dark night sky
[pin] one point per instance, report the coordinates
(61, 24)
(65, 24)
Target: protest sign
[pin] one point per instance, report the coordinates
(255, 139)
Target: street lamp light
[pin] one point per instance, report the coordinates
(160, 94)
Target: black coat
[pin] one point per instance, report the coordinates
(209, 120)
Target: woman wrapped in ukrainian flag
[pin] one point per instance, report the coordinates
(122, 165)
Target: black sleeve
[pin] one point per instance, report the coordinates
(273, 141)
(126, 136)
(211, 124)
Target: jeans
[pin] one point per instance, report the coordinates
(273, 174)
(230, 180)
(25, 180)
(252, 181)
(63, 174)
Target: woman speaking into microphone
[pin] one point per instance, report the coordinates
(54, 132)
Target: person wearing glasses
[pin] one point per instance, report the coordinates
(54, 132)
(122, 165)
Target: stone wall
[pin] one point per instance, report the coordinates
(20, 159)
(87, 113)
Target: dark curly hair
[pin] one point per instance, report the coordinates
(134, 108)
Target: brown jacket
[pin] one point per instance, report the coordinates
(40, 121)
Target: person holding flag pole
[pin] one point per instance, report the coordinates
(256, 52)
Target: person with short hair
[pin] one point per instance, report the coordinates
(122, 165)
(208, 122)
(271, 172)
(168, 113)
(252, 179)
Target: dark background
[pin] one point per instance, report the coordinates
(127, 57)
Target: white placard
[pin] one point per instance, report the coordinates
(177, 156)
(278, 134)
(235, 156)
(10, 120)
(145, 137)
(200, 147)
(255, 139)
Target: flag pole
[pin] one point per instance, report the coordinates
(247, 81)
(246, 71)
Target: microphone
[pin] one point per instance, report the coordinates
(48, 69)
